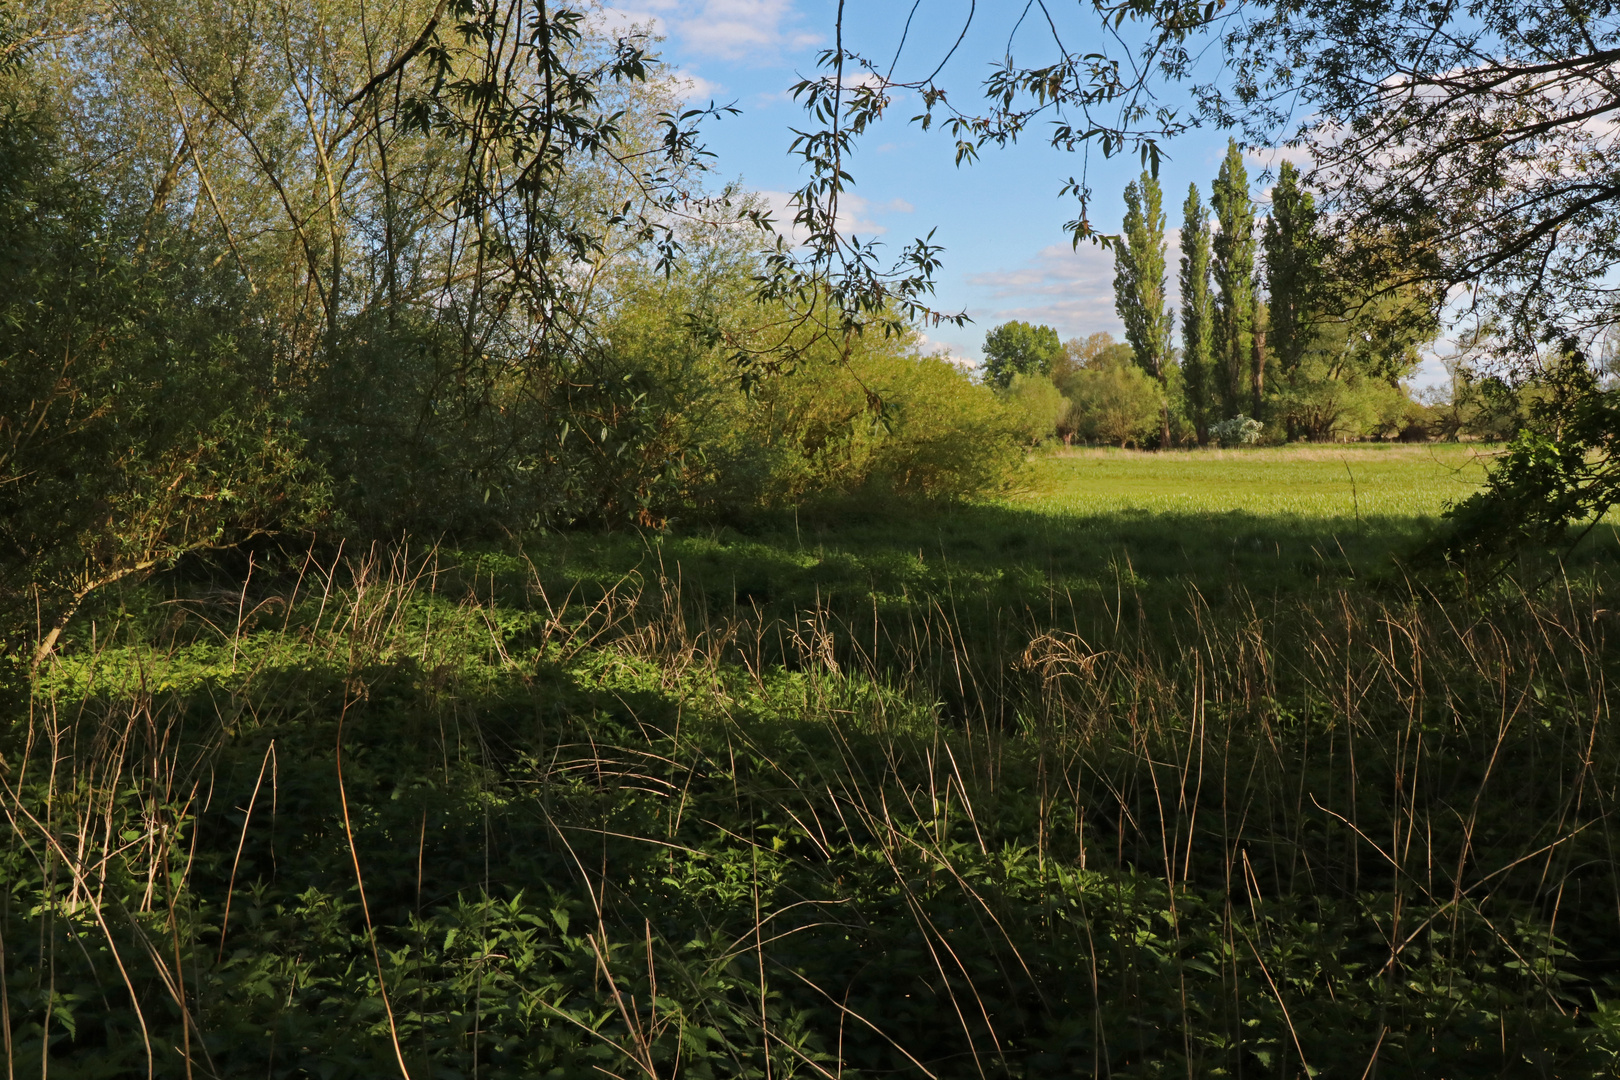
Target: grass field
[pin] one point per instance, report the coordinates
(1344, 483)
(1161, 767)
(1084, 523)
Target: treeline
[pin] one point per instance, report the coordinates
(1277, 337)
(255, 278)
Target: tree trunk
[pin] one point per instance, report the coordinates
(1164, 406)
(1259, 371)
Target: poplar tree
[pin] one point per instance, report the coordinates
(1196, 313)
(1232, 267)
(1293, 268)
(1139, 294)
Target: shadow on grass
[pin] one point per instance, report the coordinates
(1016, 555)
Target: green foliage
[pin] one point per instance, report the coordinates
(1139, 269)
(1040, 405)
(892, 422)
(1294, 257)
(1197, 314)
(1347, 380)
(1484, 401)
(1139, 296)
(1232, 268)
(608, 813)
(1113, 401)
(1018, 348)
(1326, 400)
(141, 415)
(873, 417)
(1560, 471)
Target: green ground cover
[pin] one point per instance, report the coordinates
(1332, 482)
(1084, 524)
(1159, 768)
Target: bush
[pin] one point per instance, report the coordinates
(891, 422)
(1039, 404)
(883, 420)
(140, 413)
(1113, 401)
(1238, 431)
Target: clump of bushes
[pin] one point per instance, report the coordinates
(1040, 405)
(1112, 400)
(1239, 431)
(871, 416)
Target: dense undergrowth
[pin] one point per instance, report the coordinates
(534, 811)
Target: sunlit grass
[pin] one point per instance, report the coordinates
(1307, 481)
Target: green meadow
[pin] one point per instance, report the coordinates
(1079, 524)
(1164, 765)
(1366, 480)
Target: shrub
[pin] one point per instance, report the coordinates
(1238, 431)
(1039, 404)
(882, 418)
(891, 421)
(1113, 401)
(140, 413)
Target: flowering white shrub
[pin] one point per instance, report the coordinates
(1238, 431)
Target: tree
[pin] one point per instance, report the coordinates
(1139, 293)
(140, 416)
(1293, 268)
(1479, 133)
(1112, 400)
(1039, 405)
(1479, 137)
(1237, 377)
(1197, 314)
(1559, 471)
(432, 203)
(1019, 348)
(1357, 344)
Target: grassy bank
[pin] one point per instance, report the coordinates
(1161, 768)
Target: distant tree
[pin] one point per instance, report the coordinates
(1233, 248)
(1197, 313)
(1019, 348)
(1112, 400)
(1040, 406)
(1139, 293)
(1085, 352)
(1293, 268)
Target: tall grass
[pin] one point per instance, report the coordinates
(423, 814)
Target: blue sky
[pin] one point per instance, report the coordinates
(1000, 219)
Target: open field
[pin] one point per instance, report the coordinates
(1085, 524)
(1366, 480)
(1162, 768)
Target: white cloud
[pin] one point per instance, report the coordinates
(856, 214)
(758, 31)
(1070, 289)
(692, 87)
(952, 352)
(754, 31)
(1272, 157)
(644, 19)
